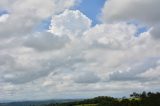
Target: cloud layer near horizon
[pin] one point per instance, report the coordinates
(74, 59)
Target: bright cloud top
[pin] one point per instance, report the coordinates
(72, 58)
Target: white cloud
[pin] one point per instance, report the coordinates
(26, 15)
(4, 18)
(155, 31)
(134, 70)
(143, 11)
(113, 36)
(45, 41)
(82, 63)
(70, 22)
(152, 73)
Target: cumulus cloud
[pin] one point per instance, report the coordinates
(155, 31)
(113, 36)
(28, 14)
(3, 17)
(144, 11)
(132, 73)
(70, 22)
(151, 74)
(45, 41)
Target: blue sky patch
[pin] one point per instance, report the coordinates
(2, 12)
(141, 30)
(91, 8)
(44, 25)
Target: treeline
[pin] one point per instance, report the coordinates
(136, 99)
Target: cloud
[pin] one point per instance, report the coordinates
(3, 18)
(132, 73)
(145, 12)
(151, 74)
(24, 18)
(87, 77)
(45, 41)
(155, 31)
(6, 59)
(70, 22)
(73, 58)
(50, 62)
(113, 36)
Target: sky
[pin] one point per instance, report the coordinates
(92, 9)
(68, 49)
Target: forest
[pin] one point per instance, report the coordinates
(135, 99)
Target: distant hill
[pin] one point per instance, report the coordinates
(135, 99)
(38, 103)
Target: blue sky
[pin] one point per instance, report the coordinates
(3, 12)
(91, 8)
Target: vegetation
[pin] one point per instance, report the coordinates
(136, 99)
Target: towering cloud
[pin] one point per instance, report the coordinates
(70, 23)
